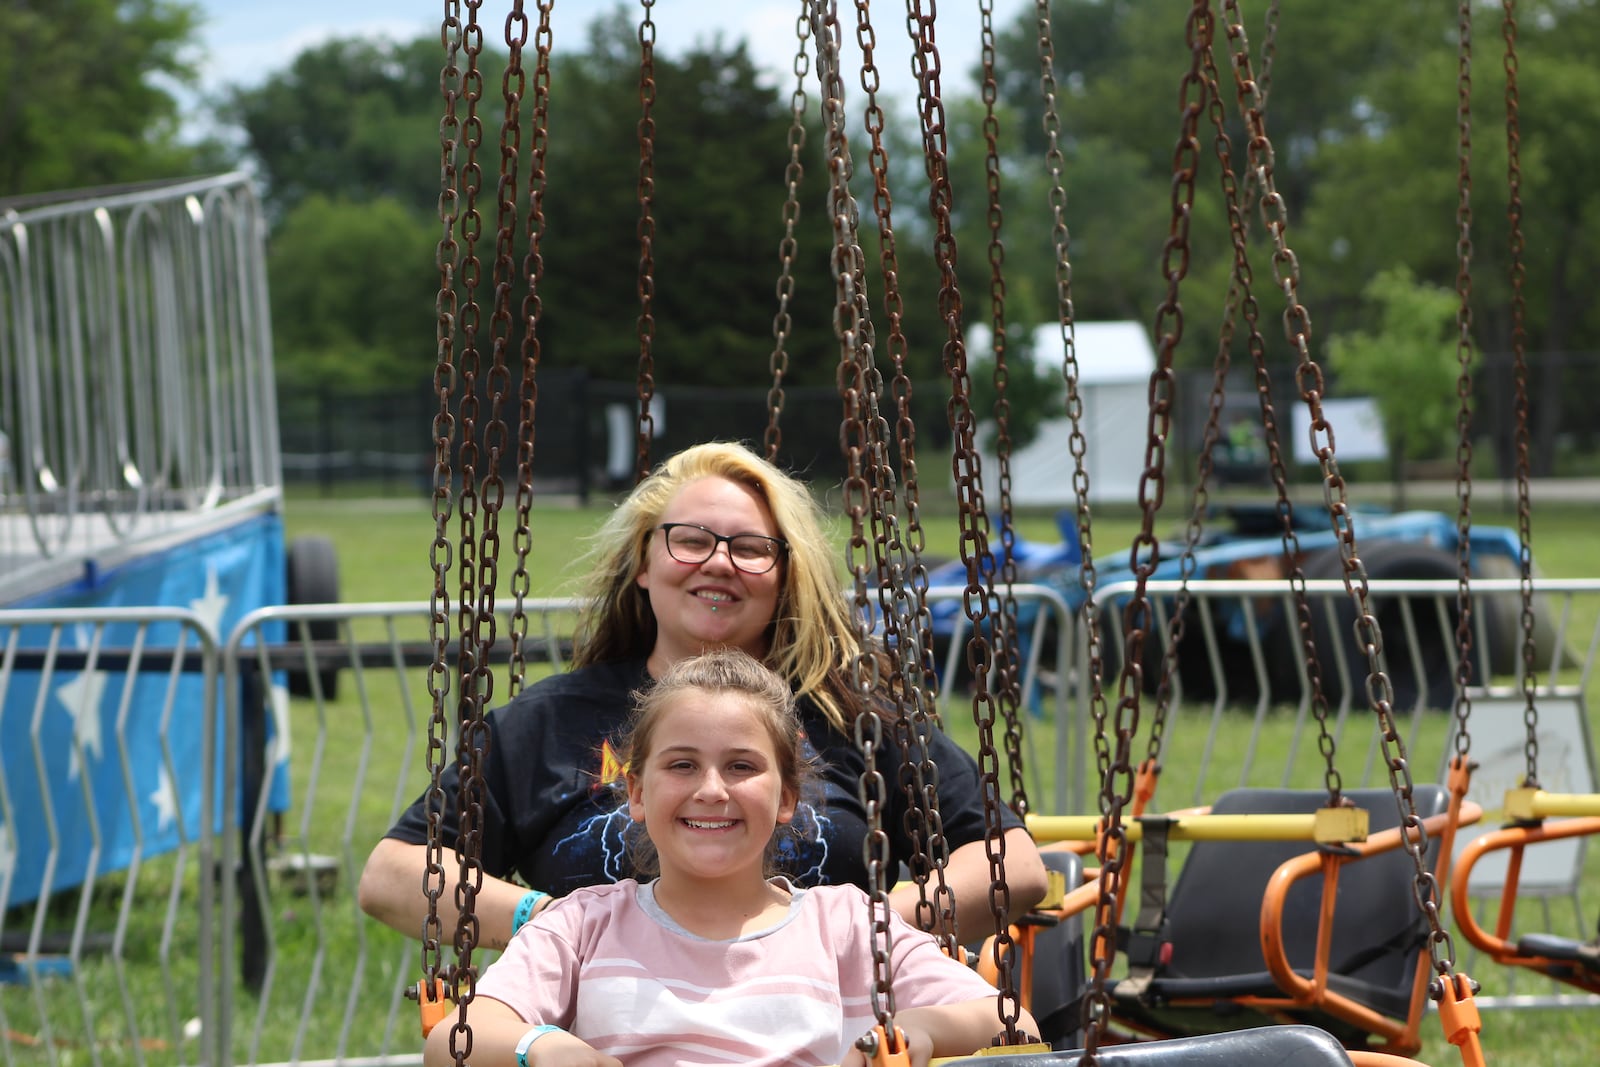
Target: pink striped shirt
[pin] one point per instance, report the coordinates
(607, 964)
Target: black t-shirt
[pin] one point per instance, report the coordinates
(551, 817)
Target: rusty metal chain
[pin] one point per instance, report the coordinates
(1241, 301)
(647, 238)
(532, 309)
(969, 492)
(474, 677)
(1116, 787)
(902, 600)
(1007, 653)
(439, 679)
(846, 321)
(1077, 441)
(1463, 698)
(772, 440)
(1519, 356)
(905, 426)
(1297, 327)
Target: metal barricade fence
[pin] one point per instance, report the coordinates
(109, 819)
(309, 978)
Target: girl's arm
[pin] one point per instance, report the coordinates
(496, 1031)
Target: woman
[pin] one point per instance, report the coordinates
(715, 549)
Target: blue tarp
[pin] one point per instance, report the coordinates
(143, 801)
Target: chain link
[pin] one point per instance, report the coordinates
(1116, 787)
(647, 238)
(1519, 344)
(778, 363)
(1297, 327)
(902, 602)
(475, 680)
(974, 544)
(1007, 655)
(532, 307)
(439, 681)
(1463, 697)
(847, 327)
(1077, 441)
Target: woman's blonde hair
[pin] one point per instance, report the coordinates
(726, 670)
(810, 641)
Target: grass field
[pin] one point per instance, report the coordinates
(384, 556)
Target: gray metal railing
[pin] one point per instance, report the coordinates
(136, 364)
(251, 949)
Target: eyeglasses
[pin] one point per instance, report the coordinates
(751, 553)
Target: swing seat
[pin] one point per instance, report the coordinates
(1276, 1046)
(1214, 973)
(1576, 963)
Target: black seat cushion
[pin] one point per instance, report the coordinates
(1271, 1046)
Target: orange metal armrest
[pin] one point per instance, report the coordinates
(1514, 838)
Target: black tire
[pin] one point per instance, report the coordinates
(1429, 672)
(312, 572)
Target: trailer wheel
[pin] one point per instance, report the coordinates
(313, 578)
(1428, 673)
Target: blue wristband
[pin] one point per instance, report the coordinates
(525, 906)
(533, 1035)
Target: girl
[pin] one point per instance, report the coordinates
(714, 961)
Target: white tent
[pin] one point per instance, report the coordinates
(1114, 364)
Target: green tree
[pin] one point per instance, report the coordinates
(352, 288)
(1407, 364)
(89, 93)
(355, 119)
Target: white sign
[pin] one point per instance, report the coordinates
(1565, 765)
(1357, 430)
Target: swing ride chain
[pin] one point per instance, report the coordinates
(533, 268)
(905, 426)
(903, 613)
(1519, 337)
(1116, 788)
(787, 247)
(1308, 377)
(647, 237)
(433, 880)
(1463, 701)
(968, 477)
(1007, 653)
(513, 83)
(1077, 442)
(846, 316)
(1241, 300)
(473, 673)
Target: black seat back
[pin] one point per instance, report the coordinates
(1059, 971)
(1214, 907)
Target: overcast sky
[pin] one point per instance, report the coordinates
(248, 39)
